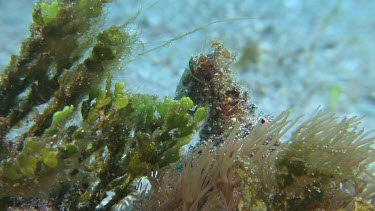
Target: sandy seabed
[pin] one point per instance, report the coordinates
(291, 54)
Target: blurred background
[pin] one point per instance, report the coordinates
(291, 54)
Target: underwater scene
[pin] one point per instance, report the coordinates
(187, 105)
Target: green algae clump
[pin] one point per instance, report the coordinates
(49, 11)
